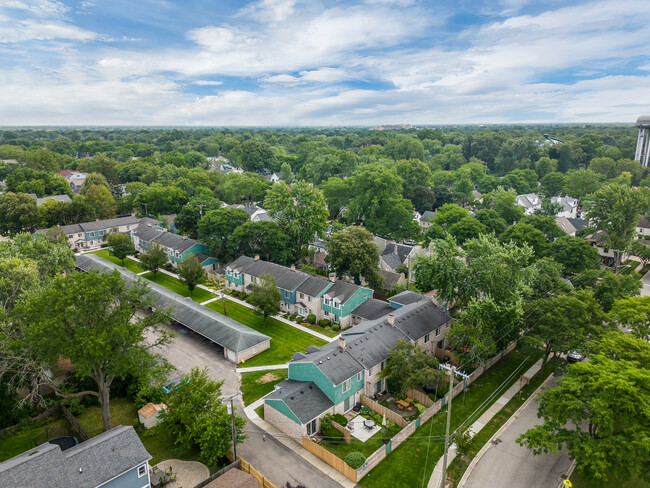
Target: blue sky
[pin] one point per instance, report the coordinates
(288, 62)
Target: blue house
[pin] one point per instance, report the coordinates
(113, 459)
(331, 379)
(176, 246)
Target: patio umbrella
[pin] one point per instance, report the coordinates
(383, 422)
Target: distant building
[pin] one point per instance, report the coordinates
(75, 179)
(113, 459)
(642, 153)
(530, 202)
(569, 206)
(393, 127)
(58, 198)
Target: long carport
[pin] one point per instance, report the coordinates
(239, 342)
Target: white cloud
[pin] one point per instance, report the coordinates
(31, 30)
(207, 83)
(287, 79)
(40, 8)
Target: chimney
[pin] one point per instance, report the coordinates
(342, 343)
(332, 277)
(184, 238)
(391, 319)
(293, 267)
(257, 257)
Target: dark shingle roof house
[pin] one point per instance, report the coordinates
(406, 298)
(427, 216)
(234, 478)
(372, 309)
(285, 278)
(93, 463)
(303, 398)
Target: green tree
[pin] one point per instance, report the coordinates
(153, 258)
(616, 210)
(574, 254)
(101, 201)
(352, 251)
(549, 281)
(337, 194)
(197, 417)
(265, 239)
(491, 220)
(91, 319)
(300, 211)
(525, 234)
(159, 199)
(467, 228)
(265, 296)
(566, 322)
(286, 174)
(504, 203)
(552, 184)
(443, 271)
(188, 218)
(581, 183)
(18, 279)
(96, 179)
(217, 226)
(191, 272)
(121, 245)
(411, 367)
(253, 155)
(51, 258)
(18, 213)
(633, 313)
(599, 411)
(544, 166)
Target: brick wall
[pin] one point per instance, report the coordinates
(283, 424)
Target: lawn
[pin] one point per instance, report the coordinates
(415, 459)
(25, 438)
(579, 482)
(285, 340)
(199, 295)
(260, 411)
(123, 412)
(256, 384)
(129, 263)
(459, 465)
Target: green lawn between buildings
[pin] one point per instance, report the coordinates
(415, 459)
(252, 388)
(198, 295)
(25, 438)
(285, 340)
(579, 482)
(129, 263)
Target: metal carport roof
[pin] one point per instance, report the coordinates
(218, 328)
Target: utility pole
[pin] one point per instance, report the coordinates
(201, 209)
(444, 459)
(231, 411)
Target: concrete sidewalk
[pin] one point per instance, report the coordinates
(262, 368)
(436, 476)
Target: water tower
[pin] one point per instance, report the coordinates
(642, 153)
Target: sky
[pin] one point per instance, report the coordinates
(319, 63)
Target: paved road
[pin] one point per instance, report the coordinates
(509, 464)
(276, 461)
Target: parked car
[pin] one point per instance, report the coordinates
(574, 357)
(173, 385)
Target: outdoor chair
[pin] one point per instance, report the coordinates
(172, 477)
(168, 471)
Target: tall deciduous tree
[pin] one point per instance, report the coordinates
(265, 239)
(197, 417)
(191, 272)
(600, 412)
(411, 367)
(574, 254)
(154, 258)
(300, 210)
(90, 319)
(616, 210)
(18, 213)
(265, 296)
(101, 201)
(352, 251)
(121, 245)
(504, 202)
(216, 227)
(634, 313)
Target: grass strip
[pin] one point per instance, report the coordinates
(129, 263)
(199, 295)
(254, 386)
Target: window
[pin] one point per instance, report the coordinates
(327, 314)
(228, 271)
(302, 311)
(426, 338)
(79, 235)
(358, 376)
(142, 470)
(336, 304)
(382, 366)
(312, 427)
(438, 331)
(287, 294)
(253, 279)
(326, 301)
(346, 386)
(69, 236)
(302, 295)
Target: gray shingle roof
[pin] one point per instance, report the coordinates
(427, 216)
(107, 224)
(368, 343)
(578, 223)
(86, 465)
(372, 309)
(343, 291)
(285, 278)
(314, 286)
(303, 398)
(406, 297)
(58, 198)
(164, 238)
(146, 233)
(390, 278)
(218, 328)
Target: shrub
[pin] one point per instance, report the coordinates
(336, 327)
(311, 318)
(365, 410)
(329, 432)
(340, 419)
(168, 267)
(324, 322)
(355, 459)
(147, 394)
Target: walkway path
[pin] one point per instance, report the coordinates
(262, 368)
(436, 476)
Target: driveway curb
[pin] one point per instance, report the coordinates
(507, 423)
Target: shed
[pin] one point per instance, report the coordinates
(149, 415)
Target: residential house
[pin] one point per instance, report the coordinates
(530, 202)
(566, 225)
(393, 255)
(89, 235)
(176, 246)
(256, 214)
(234, 478)
(600, 240)
(392, 279)
(373, 309)
(113, 459)
(58, 198)
(643, 228)
(425, 220)
(75, 179)
(301, 293)
(569, 206)
(331, 379)
(273, 177)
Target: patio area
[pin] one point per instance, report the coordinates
(362, 428)
(176, 474)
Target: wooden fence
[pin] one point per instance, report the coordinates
(381, 410)
(420, 397)
(246, 467)
(332, 459)
(343, 430)
(76, 426)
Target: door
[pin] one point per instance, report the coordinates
(379, 386)
(311, 427)
(348, 403)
